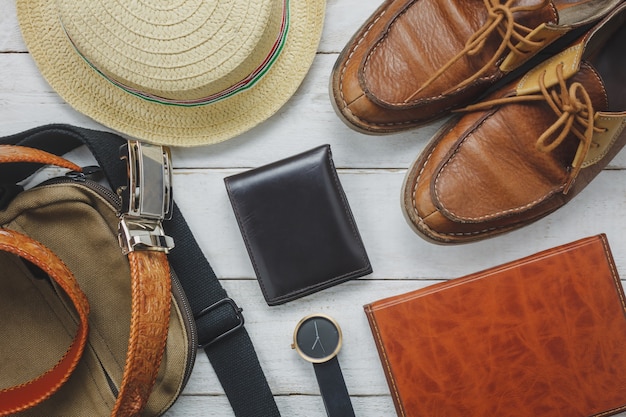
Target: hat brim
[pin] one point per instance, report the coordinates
(93, 95)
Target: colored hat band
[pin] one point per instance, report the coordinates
(181, 73)
(236, 88)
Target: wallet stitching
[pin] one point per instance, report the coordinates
(244, 234)
(339, 278)
(346, 207)
(323, 284)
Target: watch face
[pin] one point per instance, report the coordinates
(317, 338)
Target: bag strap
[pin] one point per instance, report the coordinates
(150, 309)
(23, 396)
(219, 320)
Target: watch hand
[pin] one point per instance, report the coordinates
(322, 346)
(317, 339)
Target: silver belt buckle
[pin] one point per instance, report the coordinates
(146, 199)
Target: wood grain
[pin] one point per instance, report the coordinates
(371, 170)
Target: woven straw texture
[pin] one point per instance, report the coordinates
(96, 53)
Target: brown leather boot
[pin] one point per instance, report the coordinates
(529, 148)
(415, 60)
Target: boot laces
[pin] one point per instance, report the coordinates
(575, 115)
(500, 19)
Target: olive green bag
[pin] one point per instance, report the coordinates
(149, 312)
(103, 243)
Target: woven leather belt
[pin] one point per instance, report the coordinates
(18, 398)
(150, 306)
(219, 320)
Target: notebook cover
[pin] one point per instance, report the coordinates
(541, 336)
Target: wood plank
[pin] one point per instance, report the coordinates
(290, 406)
(271, 330)
(371, 171)
(306, 121)
(291, 379)
(395, 251)
(10, 36)
(342, 18)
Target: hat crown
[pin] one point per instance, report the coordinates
(175, 50)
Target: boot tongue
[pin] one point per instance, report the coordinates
(571, 62)
(534, 18)
(496, 170)
(591, 80)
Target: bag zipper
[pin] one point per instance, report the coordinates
(82, 179)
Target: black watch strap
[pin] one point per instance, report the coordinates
(333, 389)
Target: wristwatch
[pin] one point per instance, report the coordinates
(317, 338)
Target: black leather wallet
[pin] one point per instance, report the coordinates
(297, 226)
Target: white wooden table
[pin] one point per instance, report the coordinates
(371, 170)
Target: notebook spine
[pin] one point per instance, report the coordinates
(382, 353)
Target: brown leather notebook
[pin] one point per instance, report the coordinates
(541, 336)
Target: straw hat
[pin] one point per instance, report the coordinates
(174, 72)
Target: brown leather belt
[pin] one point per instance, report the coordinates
(26, 395)
(150, 312)
(151, 301)
(219, 321)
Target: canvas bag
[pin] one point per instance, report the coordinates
(219, 321)
(78, 221)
